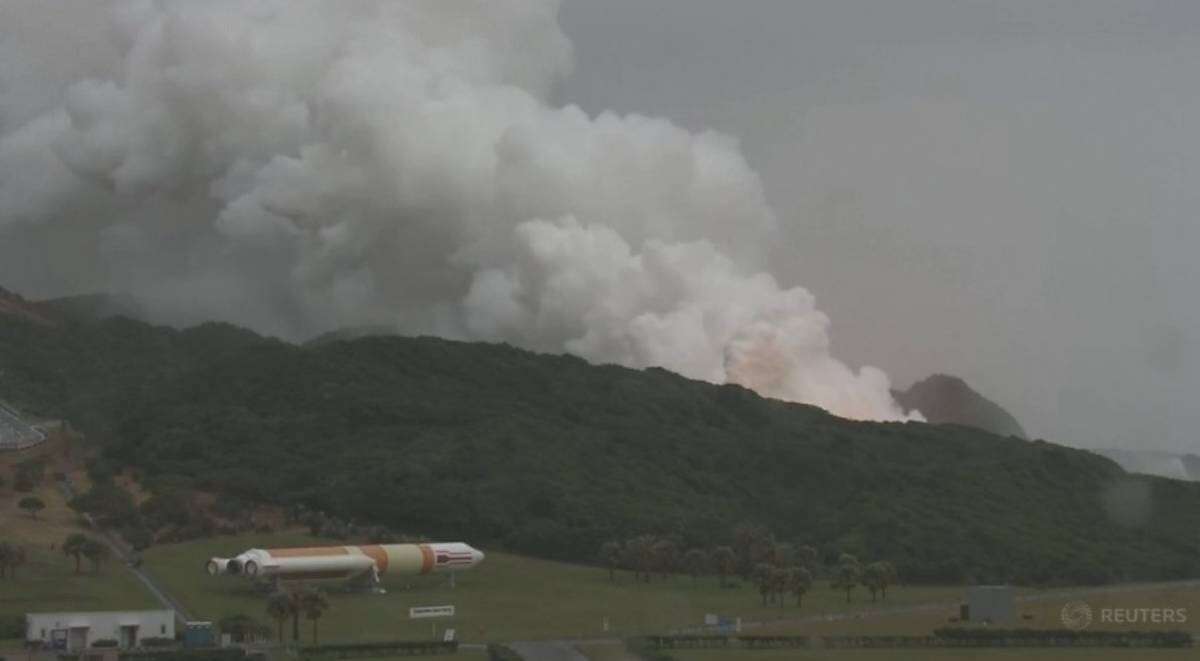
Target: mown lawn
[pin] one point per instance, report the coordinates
(48, 582)
(506, 598)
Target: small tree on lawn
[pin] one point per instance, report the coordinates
(695, 562)
(763, 578)
(877, 576)
(32, 505)
(73, 547)
(314, 604)
(779, 584)
(725, 562)
(95, 552)
(800, 581)
(849, 573)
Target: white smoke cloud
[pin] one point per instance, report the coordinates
(302, 165)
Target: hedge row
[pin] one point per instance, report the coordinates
(502, 653)
(717, 642)
(941, 638)
(386, 648)
(1065, 637)
(228, 654)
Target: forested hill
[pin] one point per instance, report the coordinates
(550, 456)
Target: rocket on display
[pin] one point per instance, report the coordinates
(367, 562)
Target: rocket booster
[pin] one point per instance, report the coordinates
(375, 560)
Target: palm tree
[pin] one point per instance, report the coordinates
(314, 604)
(279, 608)
(725, 561)
(295, 608)
(73, 547)
(95, 552)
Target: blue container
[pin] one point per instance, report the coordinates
(198, 634)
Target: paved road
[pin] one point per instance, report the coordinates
(548, 650)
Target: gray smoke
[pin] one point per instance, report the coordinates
(299, 166)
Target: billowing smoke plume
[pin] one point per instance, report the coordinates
(301, 165)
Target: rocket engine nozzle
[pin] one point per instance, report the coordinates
(217, 566)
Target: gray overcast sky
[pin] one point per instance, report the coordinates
(1005, 191)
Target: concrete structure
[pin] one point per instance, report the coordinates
(14, 433)
(995, 604)
(75, 632)
(366, 563)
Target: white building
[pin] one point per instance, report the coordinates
(995, 604)
(75, 632)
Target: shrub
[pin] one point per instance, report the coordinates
(647, 649)
(502, 653)
(104, 642)
(12, 626)
(399, 647)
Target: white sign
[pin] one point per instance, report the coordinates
(430, 611)
(448, 636)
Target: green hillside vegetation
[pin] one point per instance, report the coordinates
(45, 579)
(552, 457)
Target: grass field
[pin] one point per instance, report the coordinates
(511, 597)
(1036, 610)
(506, 598)
(48, 582)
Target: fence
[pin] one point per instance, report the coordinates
(942, 638)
